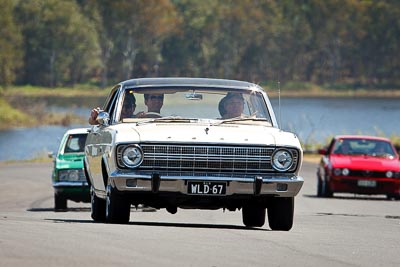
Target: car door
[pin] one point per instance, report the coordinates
(99, 142)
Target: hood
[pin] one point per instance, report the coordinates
(365, 163)
(207, 133)
(70, 161)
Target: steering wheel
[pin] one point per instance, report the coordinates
(152, 115)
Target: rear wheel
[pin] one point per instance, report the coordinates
(117, 210)
(280, 213)
(60, 202)
(98, 207)
(253, 216)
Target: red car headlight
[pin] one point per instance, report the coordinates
(345, 172)
(342, 172)
(337, 172)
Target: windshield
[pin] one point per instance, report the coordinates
(75, 143)
(179, 104)
(375, 148)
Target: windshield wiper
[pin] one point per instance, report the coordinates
(168, 119)
(174, 119)
(239, 119)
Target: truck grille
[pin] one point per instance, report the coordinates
(208, 158)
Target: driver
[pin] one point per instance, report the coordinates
(154, 103)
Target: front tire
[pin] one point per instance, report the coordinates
(117, 210)
(98, 207)
(60, 203)
(280, 213)
(253, 216)
(326, 189)
(319, 187)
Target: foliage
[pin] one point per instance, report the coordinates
(11, 117)
(338, 42)
(61, 45)
(10, 44)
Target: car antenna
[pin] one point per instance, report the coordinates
(279, 104)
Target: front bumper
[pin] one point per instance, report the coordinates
(352, 185)
(76, 191)
(158, 182)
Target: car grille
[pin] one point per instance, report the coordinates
(208, 158)
(367, 173)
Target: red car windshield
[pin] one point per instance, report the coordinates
(370, 147)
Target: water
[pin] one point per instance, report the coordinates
(314, 120)
(317, 119)
(27, 143)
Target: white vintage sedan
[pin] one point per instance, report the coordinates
(192, 143)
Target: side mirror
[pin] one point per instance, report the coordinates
(322, 151)
(103, 118)
(51, 154)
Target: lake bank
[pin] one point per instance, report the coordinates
(303, 111)
(313, 120)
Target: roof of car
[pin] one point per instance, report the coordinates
(361, 137)
(77, 131)
(178, 81)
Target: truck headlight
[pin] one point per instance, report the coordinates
(282, 160)
(132, 156)
(72, 175)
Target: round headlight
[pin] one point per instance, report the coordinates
(282, 160)
(132, 156)
(337, 172)
(389, 174)
(345, 172)
(73, 176)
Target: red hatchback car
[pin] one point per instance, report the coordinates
(360, 165)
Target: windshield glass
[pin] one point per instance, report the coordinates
(75, 143)
(376, 148)
(178, 103)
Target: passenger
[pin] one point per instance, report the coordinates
(231, 106)
(154, 103)
(93, 116)
(128, 109)
(129, 106)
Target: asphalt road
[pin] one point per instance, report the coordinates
(347, 230)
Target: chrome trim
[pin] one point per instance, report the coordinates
(213, 158)
(70, 184)
(236, 185)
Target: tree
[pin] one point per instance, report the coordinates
(11, 53)
(137, 31)
(61, 45)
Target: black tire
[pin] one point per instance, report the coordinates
(60, 203)
(253, 216)
(117, 210)
(98, 207)
(319, 187)
(393, 196)
(326, 189)
(280, 213)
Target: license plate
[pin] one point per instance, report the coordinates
(206, 188)
(366, 183)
